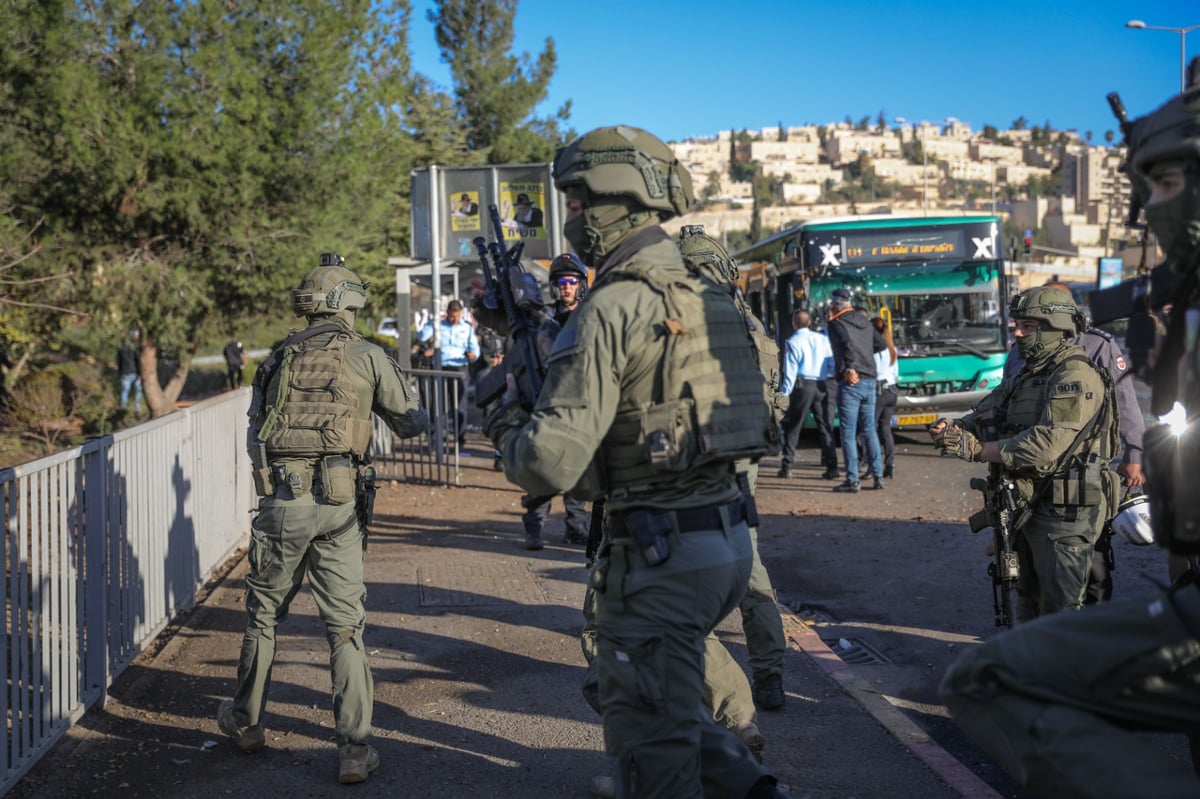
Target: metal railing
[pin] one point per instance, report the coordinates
(104, 544)
(433, 457)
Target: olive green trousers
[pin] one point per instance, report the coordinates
(652, 624)
(1057, 701)
(289, 538)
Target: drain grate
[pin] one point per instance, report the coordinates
(857, 652)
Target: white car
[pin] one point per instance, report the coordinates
(387, 327)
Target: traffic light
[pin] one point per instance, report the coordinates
(1028, 249)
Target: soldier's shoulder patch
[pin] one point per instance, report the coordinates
(1068, 388)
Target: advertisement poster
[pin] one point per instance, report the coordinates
(464, 211)
(521, 213)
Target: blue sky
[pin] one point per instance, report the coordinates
(684, 69)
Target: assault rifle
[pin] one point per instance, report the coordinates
(999, 513)
(510, 290)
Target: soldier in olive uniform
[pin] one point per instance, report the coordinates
(310, 425)
(1061, 702)
(1057, 431)
(652, 381)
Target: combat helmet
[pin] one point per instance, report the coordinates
(706, 253)
(1053, 307)
(331, 288)
(623, 161)
(1171, 134)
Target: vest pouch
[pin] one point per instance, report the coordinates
(1080, 484)
(338, 479)
(667, 437)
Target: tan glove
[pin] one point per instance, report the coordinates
(960, 443)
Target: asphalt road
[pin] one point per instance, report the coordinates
(898, 575)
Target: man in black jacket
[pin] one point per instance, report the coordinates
(855, 342)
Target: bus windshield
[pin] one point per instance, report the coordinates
(934, 309)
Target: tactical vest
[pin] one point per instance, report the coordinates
(310, 405)
(1083, 477)
(766, 350)
(714, 409)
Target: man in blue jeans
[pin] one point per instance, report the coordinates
(855, 341)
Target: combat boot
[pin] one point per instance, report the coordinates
(356, 762)
(533, 539)
(768, 692)
(247, 737)
(573, 536)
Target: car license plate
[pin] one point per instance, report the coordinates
(915, 419)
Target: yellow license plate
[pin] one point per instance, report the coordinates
(913, 419)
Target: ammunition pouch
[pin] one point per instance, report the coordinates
(334, 477)
(1080, 484)
(264, 486)
(338, 479)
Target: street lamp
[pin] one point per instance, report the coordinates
(1137, 24)
(924, 166)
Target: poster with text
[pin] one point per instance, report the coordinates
(521, 210)
(464, 211)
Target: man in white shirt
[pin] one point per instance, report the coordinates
(807, 362)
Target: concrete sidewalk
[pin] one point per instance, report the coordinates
(474, 647)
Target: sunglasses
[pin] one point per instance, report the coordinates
(568, 281)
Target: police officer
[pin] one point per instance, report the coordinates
(653, 363)
(1057, 431)
(1058, 702)
(568, 283)
(307, 446)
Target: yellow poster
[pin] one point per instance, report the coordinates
(521, 212)
(464, 211)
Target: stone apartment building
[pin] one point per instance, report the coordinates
(1085, 223)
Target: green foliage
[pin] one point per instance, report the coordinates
(64, 401)
(497, 92)
(190, 160)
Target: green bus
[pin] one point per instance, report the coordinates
(939, 281)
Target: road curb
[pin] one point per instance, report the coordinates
(803, 638)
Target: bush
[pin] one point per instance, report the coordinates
(65, 400)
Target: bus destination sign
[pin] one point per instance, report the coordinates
(871, 247)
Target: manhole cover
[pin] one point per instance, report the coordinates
(856, 652)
